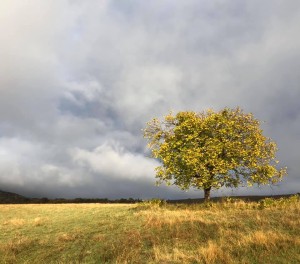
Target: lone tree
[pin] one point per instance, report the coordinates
(212, 149)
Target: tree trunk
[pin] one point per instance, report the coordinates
(207, 194)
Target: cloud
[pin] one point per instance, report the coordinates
(77, 77)
(113, 161)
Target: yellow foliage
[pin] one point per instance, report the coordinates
(212, 149)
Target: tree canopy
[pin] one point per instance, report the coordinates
(212, 149)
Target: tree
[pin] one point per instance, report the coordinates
(212, 149)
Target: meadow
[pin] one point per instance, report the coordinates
(228, 231)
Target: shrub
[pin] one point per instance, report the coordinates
(152, 203)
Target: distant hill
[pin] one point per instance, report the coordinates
(8, 197)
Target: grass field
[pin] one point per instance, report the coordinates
(224, 232)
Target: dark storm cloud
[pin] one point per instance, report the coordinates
(79, 80)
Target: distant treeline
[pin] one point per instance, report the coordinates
(13, 198)
(25, 200)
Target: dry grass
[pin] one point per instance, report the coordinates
(15, 222)
(228, 232)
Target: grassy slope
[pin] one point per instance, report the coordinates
(232, 232)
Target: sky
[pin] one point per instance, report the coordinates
(80, 79)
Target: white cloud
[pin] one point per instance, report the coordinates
(114, 161)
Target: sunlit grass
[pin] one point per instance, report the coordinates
(232, 231)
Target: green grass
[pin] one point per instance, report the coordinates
(224, 232)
